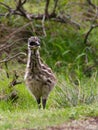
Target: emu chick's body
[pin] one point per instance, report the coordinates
(39, 78)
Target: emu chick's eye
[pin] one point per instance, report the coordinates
(32, 43)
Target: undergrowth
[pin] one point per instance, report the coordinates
(68, 92)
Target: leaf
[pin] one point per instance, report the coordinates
(65, 52)
(79, 56)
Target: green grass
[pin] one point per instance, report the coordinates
(34, 118)
(67, 101)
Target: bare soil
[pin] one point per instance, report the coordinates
(85, 124)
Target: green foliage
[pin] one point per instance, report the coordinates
(32, 118)
(73, 92)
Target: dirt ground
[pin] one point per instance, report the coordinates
(85, 124)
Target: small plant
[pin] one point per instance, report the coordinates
(76, 92)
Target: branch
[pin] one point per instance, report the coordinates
(6, 68)
(52, 16)
(65, 19)
(2, 14)
(18, 11)
(10, 10)
(14, 81)
(90, 3)
(8, 59)
(19, 7)
(88, 33)
(24, 2)
(11, 96)
(46, 8)
(54, 9)
(20, 2)
(16, 31)
(9, 46)
(6, 6)
(43, 26)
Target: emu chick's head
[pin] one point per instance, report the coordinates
(33, 42)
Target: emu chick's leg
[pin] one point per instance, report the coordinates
(44, 103)
(39, 102)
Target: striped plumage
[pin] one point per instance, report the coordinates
(39, 78)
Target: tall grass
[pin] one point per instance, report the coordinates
(68, 92)
(76, 92)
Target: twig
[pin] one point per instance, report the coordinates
(6, 6)
(90, 3)
(6, 65)
(88, 33)
(18, 11)
(54, 9)
(65, 19)
(19, 7)
(13, 96)
(46, 8)
(52, 16)
(8, 46)
(2, 14)
(10, 10)
(93, 21)
(16, 31)
(21, 2)
(8, 59)
(14, 81)
(43, 26)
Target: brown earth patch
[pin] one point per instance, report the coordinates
(85, 124)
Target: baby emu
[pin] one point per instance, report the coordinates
(39, 78)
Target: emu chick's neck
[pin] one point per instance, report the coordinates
(34, 62)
